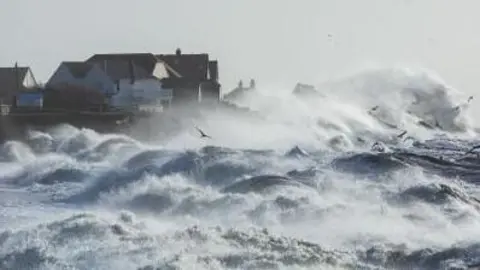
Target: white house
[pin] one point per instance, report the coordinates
(129, 81)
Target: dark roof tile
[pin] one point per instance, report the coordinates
(120, 69)
(146, 61)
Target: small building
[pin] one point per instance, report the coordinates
(240, 91)
(14, 80)
(195, 78)
(306, 91)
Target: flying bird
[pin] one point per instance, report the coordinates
(202, 134)
(402, 134)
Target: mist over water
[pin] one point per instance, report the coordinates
(285, 182)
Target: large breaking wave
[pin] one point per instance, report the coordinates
(287, 182)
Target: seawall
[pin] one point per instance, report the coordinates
(15, 126)
(141, 126)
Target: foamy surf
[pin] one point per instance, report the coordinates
(284, 183)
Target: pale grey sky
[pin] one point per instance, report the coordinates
(274, 41)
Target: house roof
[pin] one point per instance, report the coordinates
(189, 66)
(121, 69)
(78, 69)
(10, 78)
(305, 90)
(115, 68)
(146, 61)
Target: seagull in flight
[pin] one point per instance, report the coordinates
(402, 134)
(202, 134)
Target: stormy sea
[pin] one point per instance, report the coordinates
(366, 171)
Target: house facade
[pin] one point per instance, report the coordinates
(130, 81)
(195, 80)
(137, 79)
(141, 93)
(127, 81)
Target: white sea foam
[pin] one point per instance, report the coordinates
(286, 185)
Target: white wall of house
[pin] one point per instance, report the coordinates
(160, 71)
(29, 81)
(123, 98)
(141, 92)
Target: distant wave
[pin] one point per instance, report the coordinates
(372, 104)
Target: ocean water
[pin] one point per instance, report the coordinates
(285, 182)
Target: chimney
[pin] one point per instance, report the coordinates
(17, 79)
(252, 84)
(178, 52)
(131, 70)
(105, 66)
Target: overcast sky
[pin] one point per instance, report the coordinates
(274, 41)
